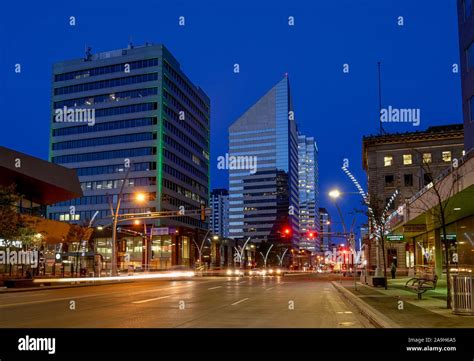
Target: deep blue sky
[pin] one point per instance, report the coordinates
(336, 108)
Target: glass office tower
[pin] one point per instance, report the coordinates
(308, 184)
(147, 115)
(263, 200)
(219, 218)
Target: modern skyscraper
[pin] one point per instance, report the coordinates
(133, 112)
(466, 48)
(324, 235)
(308, 184)
(219, 219)
(263, 170)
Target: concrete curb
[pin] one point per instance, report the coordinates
(374, 316)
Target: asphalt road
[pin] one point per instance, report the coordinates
(290, 301)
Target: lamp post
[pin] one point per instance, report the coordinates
(139, 197)
(241, 251)
(199, 248)
(265, 257)
(335, 194)
(281, 257)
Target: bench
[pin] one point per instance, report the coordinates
(422, 284)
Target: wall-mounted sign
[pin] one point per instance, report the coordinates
(450, 237)
(395, 237)
(160, 231)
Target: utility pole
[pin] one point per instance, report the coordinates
(380, 99)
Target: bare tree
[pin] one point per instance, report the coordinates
(439, 205)
(379, 212)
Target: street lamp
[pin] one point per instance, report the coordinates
(335, 193)
(199, 247)
(139, 197)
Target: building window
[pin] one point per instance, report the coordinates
(446, 155)
(196, 160)
(426, 158)
(407, 159)
(389, 180)
(427, 179)
(388, 161)
(408, 178)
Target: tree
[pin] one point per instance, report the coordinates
(13, 225)
(379, 212)
(10, 220)
(439, 205)
(79, 234)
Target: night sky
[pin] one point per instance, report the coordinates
(334, 107)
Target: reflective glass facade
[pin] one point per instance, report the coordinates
(308, 185)
(147, 112)
(263, 183)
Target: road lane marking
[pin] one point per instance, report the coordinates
(346, 324)
(151, 299)
(109, 294)
(271, 288)
(236, 303)
(50, 300)
(213, 288)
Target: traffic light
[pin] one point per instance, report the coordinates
(286, 231)
(203, 212)
(312, 234)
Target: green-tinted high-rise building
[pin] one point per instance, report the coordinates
(146, 113)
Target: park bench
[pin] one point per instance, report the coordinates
(425, 280)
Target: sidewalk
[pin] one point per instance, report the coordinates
(431, 311)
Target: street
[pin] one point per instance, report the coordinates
(290, 301)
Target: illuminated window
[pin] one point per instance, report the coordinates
(196, 160)
(446, 156)
(407, 159)
(426, 157)
(388, 161)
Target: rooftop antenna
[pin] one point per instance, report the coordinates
(88, 52)
(380, 100)
(130, 44)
